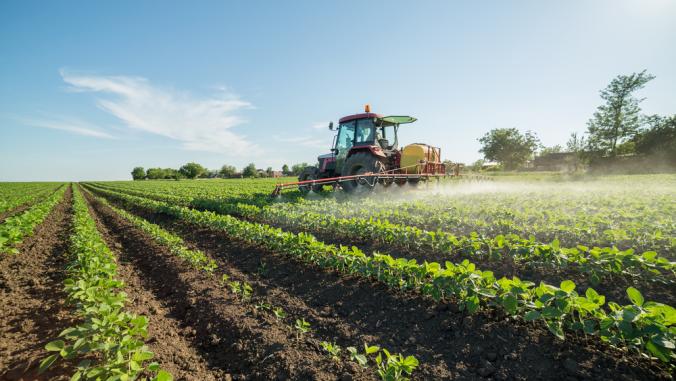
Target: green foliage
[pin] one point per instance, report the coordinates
(227, 170)
(163, 173)
(394, 367)
(619, 118)
(108, 339)
(508, 146)
(138, 173)
(192, 170)
(14, 229)
(296, 169)
(302, 327)
(659, 139)
(561, 309)
(332, 349)
(250, 171)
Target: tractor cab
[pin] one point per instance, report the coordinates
(366, 144)
(366, 132)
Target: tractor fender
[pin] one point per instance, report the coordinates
(373, 150)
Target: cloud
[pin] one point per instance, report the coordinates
(71, 125)
(320, 126)
(199, 123)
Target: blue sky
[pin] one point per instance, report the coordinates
(89, 90)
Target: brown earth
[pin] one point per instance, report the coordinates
(448, 343)
(33, 310)
(199, 330)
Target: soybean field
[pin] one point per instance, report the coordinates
(507, 278)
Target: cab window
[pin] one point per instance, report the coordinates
(364, 131)
(345, 136)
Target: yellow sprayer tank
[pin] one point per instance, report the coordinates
(413, 154)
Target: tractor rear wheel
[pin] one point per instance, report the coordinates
(358, 164)
(309, 173)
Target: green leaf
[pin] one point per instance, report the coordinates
(163, 375)
(510, 303)
(657, 351)
(76, 376)
(47, 362)
(531, 315)
(555, 328)
(55, 346)
(635, 296)
(371, 349)
(568, 286)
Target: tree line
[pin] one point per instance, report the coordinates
(617, 128)
(195, 170)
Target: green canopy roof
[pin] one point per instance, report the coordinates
(398, 119)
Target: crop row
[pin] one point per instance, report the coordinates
(613, 212)
(597, 262)
(109, 341)
(14, 196)
(644, 223)
(646, 326)
(389, 366)
(14, 229)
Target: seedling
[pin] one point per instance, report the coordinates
(279, 313)
(393, 367)
(302, 327)
(262, 269)
(224, 280)
(333, 350)
(235, 287)
(358, 357)
(247, 290)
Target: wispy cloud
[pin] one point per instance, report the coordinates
(320, 126)
(199, 123)
(67, 124)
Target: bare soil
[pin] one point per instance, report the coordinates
(199, 330)
(33, 301)
(448, 343)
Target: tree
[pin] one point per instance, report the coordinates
(192, 170)
(659, 138)
(476, 166)
(138, 173)
(619, 119)
(155, 173)
(576, 143)
(285, 170)
(508, 146)
(296, 169)
(553, 149)
(250, 171)
(269, 172)
(228, 170)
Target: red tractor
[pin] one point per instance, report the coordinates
(366, 152)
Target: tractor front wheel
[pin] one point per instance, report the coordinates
(309, 173)
(359, 164)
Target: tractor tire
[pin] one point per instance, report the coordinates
(361, 163)
(309, 173)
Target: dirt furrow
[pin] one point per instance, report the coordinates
(448, 343)
(221, 336)
(33, 301)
